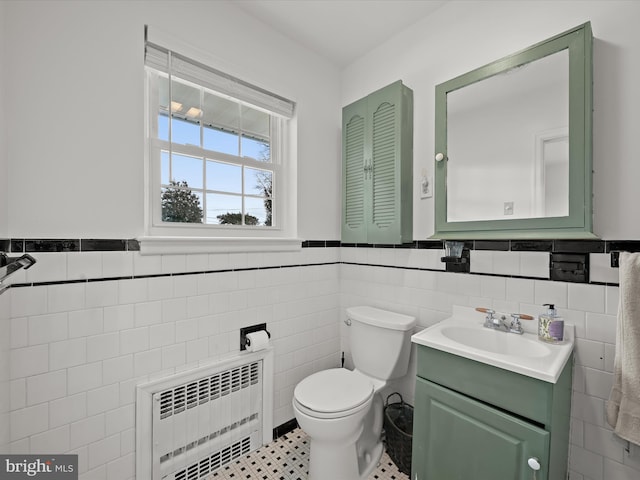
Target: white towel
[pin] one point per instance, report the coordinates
(623, 408)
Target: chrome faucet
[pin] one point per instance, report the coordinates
(501, 323)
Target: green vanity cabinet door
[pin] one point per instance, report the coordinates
(377, 167)
(458, 438)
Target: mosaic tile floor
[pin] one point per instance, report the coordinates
(287, 458)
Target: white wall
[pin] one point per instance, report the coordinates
(463, 35)
(3, 150)
(72, 85)
(102, 337)
(4, 300)
(76, 139)
(5, 345)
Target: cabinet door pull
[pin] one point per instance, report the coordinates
(367, 168)
(534, 464)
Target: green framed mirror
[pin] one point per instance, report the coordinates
(513, 145)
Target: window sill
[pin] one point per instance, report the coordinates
(184, 245)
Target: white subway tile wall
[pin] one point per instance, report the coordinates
(595, 452)
(7, 395)
(78, 350)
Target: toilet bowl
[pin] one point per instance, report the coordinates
(331, 407)
(341, 410)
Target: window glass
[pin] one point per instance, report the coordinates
(180, 204)
(224, 209)
(255, 138)
(255, 148)
(256, 209)
(257, 182)
(224, 177)
(214, 156)
(220, 141)
(165, 174)
(185, 114)
(187, 169)
(221, 118)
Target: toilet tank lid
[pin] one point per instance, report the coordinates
(381, 318)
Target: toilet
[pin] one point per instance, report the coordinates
(342, 410)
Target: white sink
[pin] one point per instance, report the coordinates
(492, 342)
(463, 334)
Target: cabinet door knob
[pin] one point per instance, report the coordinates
(534, 463)
(439, 157)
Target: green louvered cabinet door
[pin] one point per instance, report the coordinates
(377, 160)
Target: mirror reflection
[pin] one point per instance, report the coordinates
(508, 144)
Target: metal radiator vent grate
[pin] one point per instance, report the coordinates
(220, 458)
(189, 395)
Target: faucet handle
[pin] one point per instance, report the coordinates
(516, 326)
(488, 311)
(489, 319)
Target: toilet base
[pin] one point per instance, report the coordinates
(328, 462)
(370, 461)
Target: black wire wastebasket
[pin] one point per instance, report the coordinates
(398, 427)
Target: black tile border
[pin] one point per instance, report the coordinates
(56, 245)
(551, 246)
(17, 245)
(35, 245)
(496, 245)
(531, 245)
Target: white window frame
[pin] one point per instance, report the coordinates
(166, 237)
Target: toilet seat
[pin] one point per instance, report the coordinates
(333, 393)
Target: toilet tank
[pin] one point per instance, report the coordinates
(380, 341)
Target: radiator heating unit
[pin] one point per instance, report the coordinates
(192, 423)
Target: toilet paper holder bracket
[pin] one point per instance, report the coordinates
(244, 341)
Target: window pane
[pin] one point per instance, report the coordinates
(255, 122)
(220, 141)
(181, 205)
(185, 114)
(224, 177)
(221, 117)
(164, 167)
(257, 149)
(258, 211)
(185, 132)
(163, 126)
(224, 209)
(202, 186)
(163, 92)
(163, 107)
(258, 182)
(256, 133)
(187, 169)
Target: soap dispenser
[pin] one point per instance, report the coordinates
(550, 325)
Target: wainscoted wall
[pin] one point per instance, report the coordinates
(80, 347)
(92, 325)
(407, 281)
(5, 346)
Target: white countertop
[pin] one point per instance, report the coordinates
(463, 334)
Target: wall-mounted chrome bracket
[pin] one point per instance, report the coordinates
(10, 265)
